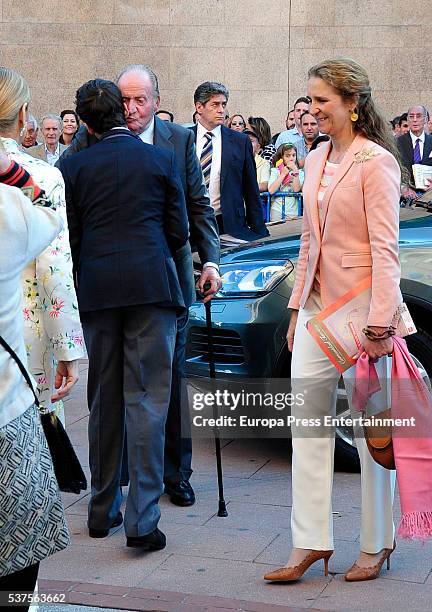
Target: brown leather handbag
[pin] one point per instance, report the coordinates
(379, 441)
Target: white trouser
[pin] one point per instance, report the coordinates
(313, 458)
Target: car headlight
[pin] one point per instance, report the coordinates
(252, 277)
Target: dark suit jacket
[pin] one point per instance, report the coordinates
(203, 229)
(241, 205)
(406, 150)
(126, 214)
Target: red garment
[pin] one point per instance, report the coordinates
(16, 176)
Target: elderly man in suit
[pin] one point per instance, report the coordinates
(124, 228)
(140, 90)
(415, 146)
(30, 136)
(51, 149)
(228, 166)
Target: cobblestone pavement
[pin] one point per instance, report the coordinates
(213, 563)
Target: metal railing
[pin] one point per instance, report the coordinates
(266, 198)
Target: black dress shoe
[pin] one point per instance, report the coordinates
(180, 493)
(102, 533)
(155, 540)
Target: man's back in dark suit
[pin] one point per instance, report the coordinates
(202, 226)
(141, 96)
(127, 216)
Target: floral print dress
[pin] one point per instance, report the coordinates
(52, 328)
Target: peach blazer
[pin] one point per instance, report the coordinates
(360, 229)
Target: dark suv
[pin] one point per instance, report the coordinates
(250, 316)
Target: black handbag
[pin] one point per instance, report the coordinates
(67, 468)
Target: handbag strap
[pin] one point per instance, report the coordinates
(20, 365)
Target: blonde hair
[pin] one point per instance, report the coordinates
(14, 93)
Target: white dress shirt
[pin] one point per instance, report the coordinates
(214, 185)
(148, 135)
(52, 157)
(421, 143)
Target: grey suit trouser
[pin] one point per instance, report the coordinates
(130, 353)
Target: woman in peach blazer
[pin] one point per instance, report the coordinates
(360, 225)
(350, 231)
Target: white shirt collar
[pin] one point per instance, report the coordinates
(414, 137)
(56, 152)
(201, 130)
(148, 134)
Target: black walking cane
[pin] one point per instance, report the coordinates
(222, 511)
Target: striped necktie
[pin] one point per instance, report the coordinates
(417, 156)
(206, 158)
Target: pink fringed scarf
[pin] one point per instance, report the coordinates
(413, 454)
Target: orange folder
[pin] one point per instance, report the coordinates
(338, 328)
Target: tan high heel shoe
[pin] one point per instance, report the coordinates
(357, 573)
(290, 574)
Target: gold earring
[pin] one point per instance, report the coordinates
(354, 116)
(23, 131)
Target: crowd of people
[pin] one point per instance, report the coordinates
(303, 135)
(122, 196)
(273, 174)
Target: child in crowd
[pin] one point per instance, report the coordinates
(262, 165)
(285, 176)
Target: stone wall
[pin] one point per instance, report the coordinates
(261, 49)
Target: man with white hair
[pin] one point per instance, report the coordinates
(30, 137)
(51, 149)
(140, 90)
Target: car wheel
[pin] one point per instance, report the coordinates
(346, 456)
